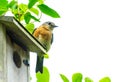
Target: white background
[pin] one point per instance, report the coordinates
(86, 41)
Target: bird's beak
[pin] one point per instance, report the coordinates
(55, 26)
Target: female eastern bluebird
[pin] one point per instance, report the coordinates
(45, 36)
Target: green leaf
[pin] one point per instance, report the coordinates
(14, 7)
(30, 27)
(46, 56)
(3, 6)
(23, 7)
(35, 18)
(77, 77)
(41, 1)
(31, 3)
(17, 10)
(28, 17)
(105, 79)
(44, 77)
(2, 12)
(64, 78)
(12, 4)
(34, 10)
(48, 11)
(87, 79)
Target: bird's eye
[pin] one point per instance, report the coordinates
(49, 23)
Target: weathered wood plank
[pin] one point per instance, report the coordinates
(18, 74)
(9, 72)
(2, 53)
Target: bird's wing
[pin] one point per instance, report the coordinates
(52, 39)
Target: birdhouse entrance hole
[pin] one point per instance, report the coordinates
(17, 59)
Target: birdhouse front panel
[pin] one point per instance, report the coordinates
(17, 71)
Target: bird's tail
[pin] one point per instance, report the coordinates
(39, 64)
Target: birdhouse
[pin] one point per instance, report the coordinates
(15, 44)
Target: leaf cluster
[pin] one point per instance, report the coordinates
(29, 13)
(44, 77)
(78, 77)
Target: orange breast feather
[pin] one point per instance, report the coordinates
(43, 32)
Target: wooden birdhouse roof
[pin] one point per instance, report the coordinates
(20, 35)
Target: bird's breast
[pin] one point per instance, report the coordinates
(45, 39)
(44, 36)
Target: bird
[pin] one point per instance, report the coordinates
(44, 34)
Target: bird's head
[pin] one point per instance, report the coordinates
(50, 25)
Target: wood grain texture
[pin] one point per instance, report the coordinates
(2, 53)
